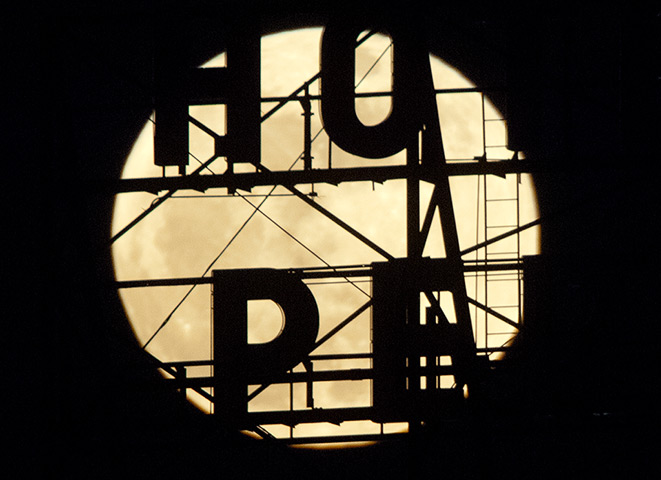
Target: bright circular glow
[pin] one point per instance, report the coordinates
(191, 229)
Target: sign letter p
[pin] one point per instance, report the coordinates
(238, 363)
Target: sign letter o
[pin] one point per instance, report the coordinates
(338, 66)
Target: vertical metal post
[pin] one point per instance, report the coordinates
(486, 222)
(519, 274)
(413, 247)
(414, 250)
(307, 129)
(309, 392)
(486, 261)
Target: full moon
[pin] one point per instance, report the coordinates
(193, 233)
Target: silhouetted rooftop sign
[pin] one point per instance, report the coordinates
(423, 360)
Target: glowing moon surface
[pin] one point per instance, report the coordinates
(193, 233)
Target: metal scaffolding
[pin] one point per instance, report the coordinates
(427, 356)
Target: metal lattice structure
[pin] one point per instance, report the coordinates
(427, 357)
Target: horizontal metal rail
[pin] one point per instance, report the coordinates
(304, 273)
(352, 374)
(167, 366)
(209, 363)
(333, 176)
(439, 91)
(317, 415)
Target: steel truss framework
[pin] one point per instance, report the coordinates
(412, 353)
